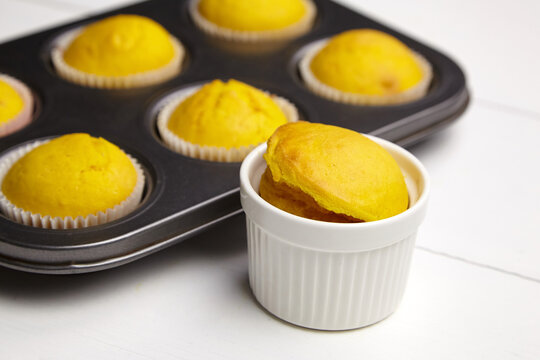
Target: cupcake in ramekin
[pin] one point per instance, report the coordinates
(221, 121)
(337, 256)
(72, 181)
(122, 51)
(327, 173)
(365, 67)
(16, 105)
(253, 21)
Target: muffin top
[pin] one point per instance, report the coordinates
(343, 171)
(252, 15)
(366, 61)
(11, 103)
(120, 45)
(226, 114)
(72, 175)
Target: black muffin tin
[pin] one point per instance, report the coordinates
(184, 196)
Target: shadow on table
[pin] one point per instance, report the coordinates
(223, 240)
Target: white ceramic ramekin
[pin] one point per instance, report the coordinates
(330, 276)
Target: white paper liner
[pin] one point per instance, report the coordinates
(212, 153)
(24, 117)
(47, 222)
(328, 92)
(113, 82)
(291, 31)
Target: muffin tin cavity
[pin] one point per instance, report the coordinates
(184, 196)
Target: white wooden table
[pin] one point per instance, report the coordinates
(474, 289)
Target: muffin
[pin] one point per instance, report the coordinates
(16, 105)
(71, 181)
(253, 21)
(122, 51)
(327, 173)
(221, 121)
(365, 67)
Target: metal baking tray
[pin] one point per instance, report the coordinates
(185, 196)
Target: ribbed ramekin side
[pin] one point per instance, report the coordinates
(326, 290)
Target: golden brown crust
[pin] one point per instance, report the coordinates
(296, 202)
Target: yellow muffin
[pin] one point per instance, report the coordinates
(366, 66)
(249, 15)
(11, 103)
(223, 116)
(131, 49)
(16, 105)
(230, 114)
(74, 175)
(253, 20)
(333, 174)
